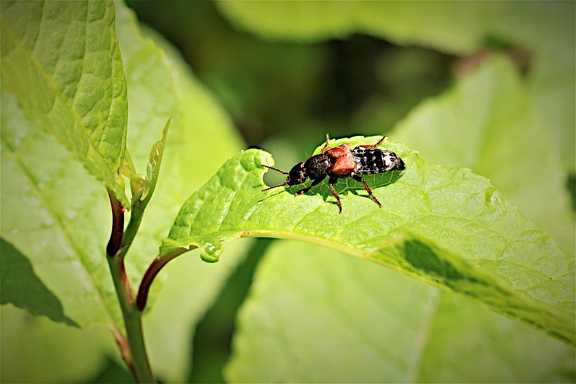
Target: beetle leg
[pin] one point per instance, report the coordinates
(367, 188)
(331, 182)
(315, 182)
(374, 145)
(325, 147)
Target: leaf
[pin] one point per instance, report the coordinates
(154, 162)
(61, 61)
(22, 288)
(447, 227)
(547, 29)
(470, 343)
(339, 319)
(36, 349)
(57, 216)
(454, 27)
(476, 125)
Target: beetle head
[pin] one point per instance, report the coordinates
(297, 175)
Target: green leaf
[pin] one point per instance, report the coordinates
(154, 162)
(470, 343)
(477, 125)
(459, 28)
(36, 349)
(447, 227)
(548, 30)
(61, 61)
(339, 319)
(57, 216)
(456, 27)
(21, 287)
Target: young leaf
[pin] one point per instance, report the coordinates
(154, 162)
(339, 319)
(447, 227)
(61, 61)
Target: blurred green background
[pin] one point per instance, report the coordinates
(283, 94)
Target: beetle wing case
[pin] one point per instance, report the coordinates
(341, 162)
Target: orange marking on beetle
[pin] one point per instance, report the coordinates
(343, 161)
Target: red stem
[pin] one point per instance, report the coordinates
(125, 350)
(117, 225)
(153, 270)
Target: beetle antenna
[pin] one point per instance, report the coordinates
(276, 169)
(275, 186)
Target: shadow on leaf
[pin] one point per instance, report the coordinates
(21, 287)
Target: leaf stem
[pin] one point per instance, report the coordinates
(159, 262)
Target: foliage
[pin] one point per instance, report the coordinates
(86, 91)
(493, 251)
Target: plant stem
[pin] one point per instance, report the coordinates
(132, 346)
(136, 357)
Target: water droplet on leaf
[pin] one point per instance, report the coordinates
(211, 252)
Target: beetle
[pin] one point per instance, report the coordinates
(341, 162)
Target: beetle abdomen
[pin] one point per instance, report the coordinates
(372, 160)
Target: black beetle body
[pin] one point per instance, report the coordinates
(341, 162)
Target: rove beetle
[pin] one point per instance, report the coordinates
(341, 162)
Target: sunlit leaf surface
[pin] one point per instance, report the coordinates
(62, 62)
(447, 227)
